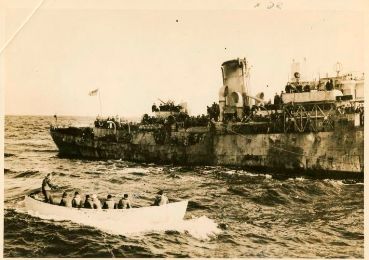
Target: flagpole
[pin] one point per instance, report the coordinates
(100, 103)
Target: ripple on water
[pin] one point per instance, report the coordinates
(27, 174)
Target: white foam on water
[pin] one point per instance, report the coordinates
(297, 179)
(334, 182)
(250, 174)
(131, 170)
(201, 228)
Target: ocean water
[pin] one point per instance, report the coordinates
(231, 213)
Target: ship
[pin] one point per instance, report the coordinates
(313, 127)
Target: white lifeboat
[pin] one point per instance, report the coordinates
(124, 218)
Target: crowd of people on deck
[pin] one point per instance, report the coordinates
(320, 86)
(92, 201)
(182, 118)
(168, 106)
(104, 122)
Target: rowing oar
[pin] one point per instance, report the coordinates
(34, 191)
(65, 187)
(22, 196)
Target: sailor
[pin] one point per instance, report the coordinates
(329, 85)
(109, 203)
(289, 88)
(47, 186)
(124, 203)
(277, 99)
(361, 116)
(154, 108)
(88, 202)
(77, 200)
(65, 201)
(161, 199)
(96, 202)
(299, 88)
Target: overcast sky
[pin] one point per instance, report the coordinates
(137, 55)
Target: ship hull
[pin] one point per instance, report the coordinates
(143, 148)
(320, 153)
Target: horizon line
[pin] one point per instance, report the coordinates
(52, 115)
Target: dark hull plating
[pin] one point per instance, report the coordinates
(322, 153)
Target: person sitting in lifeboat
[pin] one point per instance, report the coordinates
(125, 202)
(161, 199)
(96, 204)
(66, 200)
(109, 203)
(88, 204)
(77, 200)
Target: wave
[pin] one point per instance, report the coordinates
(239, 191)
(8, 136)
(39, 143)
(42, 150)
(6, 170)
(193, 205)
(26, 174)
(270, 198)
(138, 173)
(93, 172)
(135, 171)
(241, 177)
(62, 174)
(122, 179)
(186, 169)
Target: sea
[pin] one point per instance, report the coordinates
(231, 212)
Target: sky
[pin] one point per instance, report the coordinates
(137, 54)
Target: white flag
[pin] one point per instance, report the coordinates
(93, 92)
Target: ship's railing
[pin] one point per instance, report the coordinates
(312, 117)
(311, 96)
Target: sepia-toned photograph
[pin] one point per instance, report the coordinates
(183, 129)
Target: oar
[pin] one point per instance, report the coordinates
(34, 191)
(21, 196)
(65, 187)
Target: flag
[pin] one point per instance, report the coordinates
(93, 92)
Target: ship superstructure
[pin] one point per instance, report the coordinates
(304, 106)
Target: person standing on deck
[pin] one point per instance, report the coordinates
(46, 188)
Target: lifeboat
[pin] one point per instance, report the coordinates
(152, 215)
